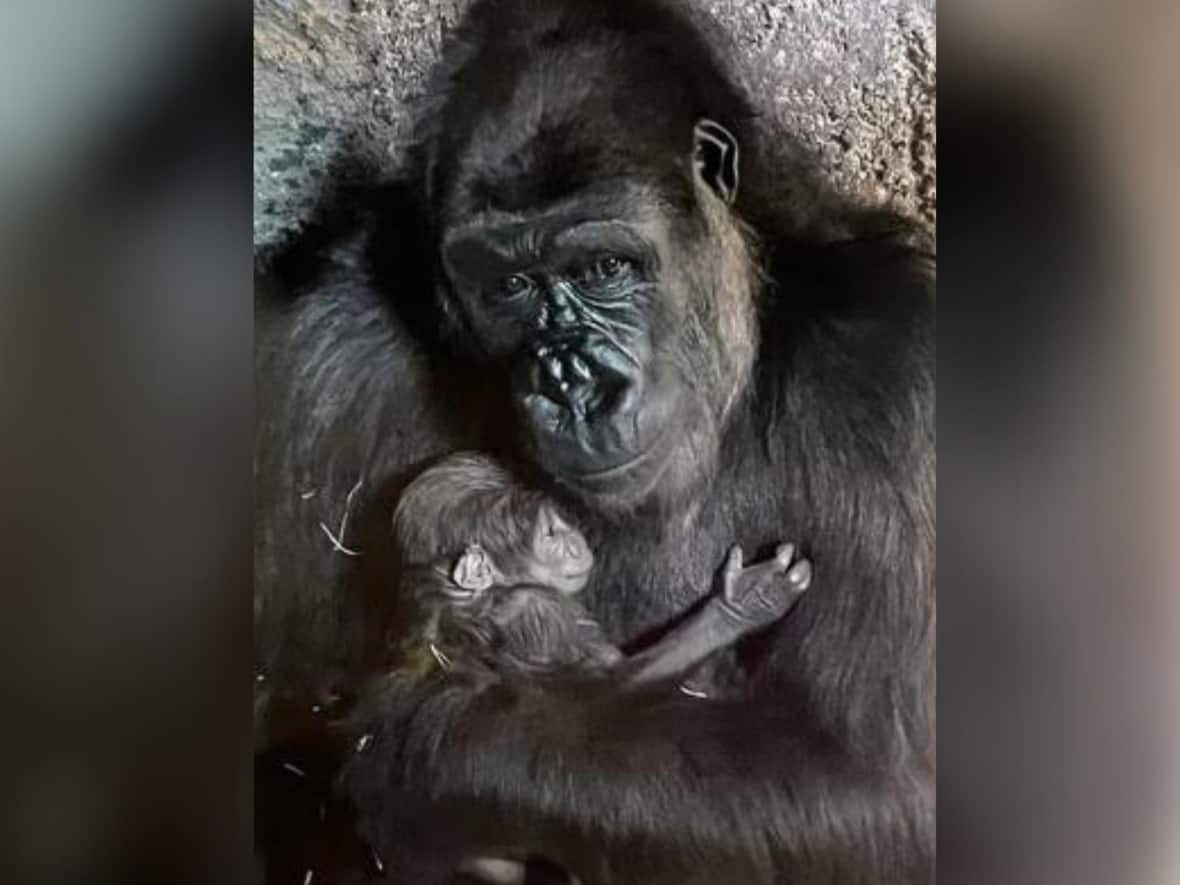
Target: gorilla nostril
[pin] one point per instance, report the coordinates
(562, 312)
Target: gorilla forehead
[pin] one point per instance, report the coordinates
(632, 212)
(539, 117)
(555, 137)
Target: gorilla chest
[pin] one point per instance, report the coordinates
(644, 584)
(646, 578)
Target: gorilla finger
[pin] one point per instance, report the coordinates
(783, 555)
(733, 560)
(732, 570)
(799, 576)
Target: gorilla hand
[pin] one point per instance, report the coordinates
(758, 595)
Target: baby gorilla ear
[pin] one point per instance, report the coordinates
(715, 156)
(473, 572)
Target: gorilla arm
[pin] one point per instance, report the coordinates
(631, 788)
(751, 598)
(644, 785)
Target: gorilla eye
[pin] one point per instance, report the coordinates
(515, 284)
(612, 266)
(609, 267)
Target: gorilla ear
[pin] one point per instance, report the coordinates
(473, 572)
(715, 157)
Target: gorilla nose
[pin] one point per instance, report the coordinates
(561, 307)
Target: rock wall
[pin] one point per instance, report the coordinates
(854, 79)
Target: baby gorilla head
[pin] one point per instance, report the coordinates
(467, 512)
(490, 570)
(494, 569)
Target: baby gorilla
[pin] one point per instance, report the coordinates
(493, 571)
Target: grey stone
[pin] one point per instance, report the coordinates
(853, 79)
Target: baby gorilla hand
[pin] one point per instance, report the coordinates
(760, 594)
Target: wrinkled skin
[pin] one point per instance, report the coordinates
(760, 367)
(571, 311)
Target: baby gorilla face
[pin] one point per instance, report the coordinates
(561, 557)
(554, 555)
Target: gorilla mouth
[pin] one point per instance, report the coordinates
(605, 432)
(614, 471)
(629, 480)
(600, 448)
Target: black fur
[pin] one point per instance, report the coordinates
(818, 767)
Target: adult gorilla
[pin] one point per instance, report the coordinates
(605, 269)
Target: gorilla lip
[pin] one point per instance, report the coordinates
(571, 475)
(616, 469)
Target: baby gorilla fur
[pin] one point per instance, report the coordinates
(493, 569)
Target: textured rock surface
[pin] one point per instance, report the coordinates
(853, 78)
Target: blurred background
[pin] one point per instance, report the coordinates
(134, 202)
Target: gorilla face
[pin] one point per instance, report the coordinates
(583, 212)
(575, 297)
